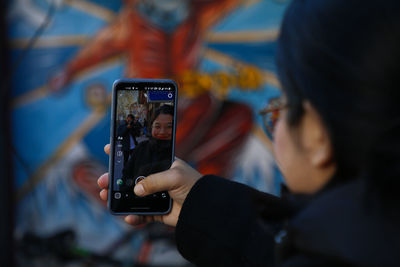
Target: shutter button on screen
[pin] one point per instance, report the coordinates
(138, 179)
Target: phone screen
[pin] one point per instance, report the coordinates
(142, 142)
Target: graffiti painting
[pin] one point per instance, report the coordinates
(67, 53)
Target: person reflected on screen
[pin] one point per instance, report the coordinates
(128, 133)
(154, 154)
(337, 144)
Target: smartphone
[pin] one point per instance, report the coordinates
(142, 139)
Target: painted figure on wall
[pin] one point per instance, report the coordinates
(68, 74)
(164, 39)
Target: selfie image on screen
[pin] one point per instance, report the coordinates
(144, 133)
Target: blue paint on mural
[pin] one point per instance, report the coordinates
(44, 120)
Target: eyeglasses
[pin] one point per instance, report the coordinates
(271, 113)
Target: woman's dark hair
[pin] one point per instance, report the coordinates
(164, 109)
(343, 56)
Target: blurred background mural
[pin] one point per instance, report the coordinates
(65, 55)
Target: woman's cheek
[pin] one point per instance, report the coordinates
(290, 161)
(278, 143)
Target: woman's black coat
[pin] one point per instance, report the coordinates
(223, 223)
(148, 157)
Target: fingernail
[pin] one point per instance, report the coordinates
(139, 190)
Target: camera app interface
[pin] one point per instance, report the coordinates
(143, 143)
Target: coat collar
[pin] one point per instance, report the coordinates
(339, 223)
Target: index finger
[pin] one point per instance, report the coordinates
(103, 181)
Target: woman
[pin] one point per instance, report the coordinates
(154, 154)
(337, 143)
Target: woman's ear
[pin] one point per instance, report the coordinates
(315, 138)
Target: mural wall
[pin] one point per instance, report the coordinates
(66, 55)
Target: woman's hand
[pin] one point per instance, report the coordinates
(178, 180)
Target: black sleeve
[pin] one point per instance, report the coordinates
(136, 129)
(128, 172)
(224, 223)
(122, 130)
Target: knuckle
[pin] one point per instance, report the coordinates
(174, 164)
(176, 175)
(177, 162)
(173, 173)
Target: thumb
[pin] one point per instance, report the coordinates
(154, 183)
